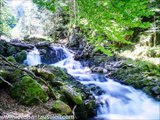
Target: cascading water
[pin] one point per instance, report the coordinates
(33, 57)
(116, 101)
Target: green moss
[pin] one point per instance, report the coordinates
(61, 107)
(4, 74)
(60, 73)
(142, 75)
(72, 95)
(11, 50)
(11, 59)
(45, 74)
(21, 56)
(28, 91)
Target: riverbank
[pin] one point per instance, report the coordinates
(124, 66)
(41, 90)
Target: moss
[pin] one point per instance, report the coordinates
(28, 91)
(142, 75)
(60, 73)
(11, 59)
(61, 107)
(21, 56)
(72, 95)
(12, 50)
(45, 74)
(4, 74)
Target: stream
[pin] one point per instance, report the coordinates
(114, 100)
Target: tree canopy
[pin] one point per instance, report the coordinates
(105, 22)
(7, 19)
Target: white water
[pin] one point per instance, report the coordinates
(33, 57)
(119, 102)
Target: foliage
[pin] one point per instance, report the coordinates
(7, 19)
(48, 4)
(106, 23)
(112, 20)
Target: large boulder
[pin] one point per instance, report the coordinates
(61, 107)
(50, 54)
(28, 91)
(72, 95)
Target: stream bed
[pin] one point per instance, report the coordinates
(113, 100)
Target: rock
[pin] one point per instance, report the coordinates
(52, 55)
(21, 44)
(57, 83)
(21, 56)
(97, 69)
(72, 95)
(42, 44)
(45, 74)
(61, 107)
(156, 90)
(28, 91)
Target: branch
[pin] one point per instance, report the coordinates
(6, 81)
(31, 73)
(73, 110)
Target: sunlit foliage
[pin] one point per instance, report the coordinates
(7, 19)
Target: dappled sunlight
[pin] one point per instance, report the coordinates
(142, 52)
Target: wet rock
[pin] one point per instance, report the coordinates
(99, 70)
(28, 91)
(85, 110)
(52, 55)
(72, 95)
(61, 107)
(156, 90)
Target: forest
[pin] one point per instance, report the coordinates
(80, 59)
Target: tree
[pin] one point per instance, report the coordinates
(112, 21)
(7, 19)
(106, 22)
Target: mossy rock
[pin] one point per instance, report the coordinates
(85, 110)
(61, 107)
(28, 91)
(45, 74)
(21, 56)
(11, 50)
(72, 95)
(11, 59)
(4, 74)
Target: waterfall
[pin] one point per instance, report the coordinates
(113, 100)
(33, 57)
